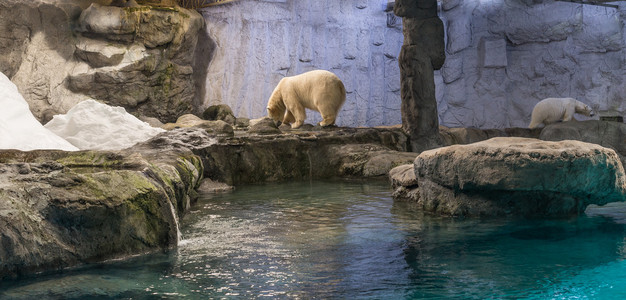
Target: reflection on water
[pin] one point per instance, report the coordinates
(350, 240)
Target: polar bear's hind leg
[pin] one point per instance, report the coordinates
(329, 119)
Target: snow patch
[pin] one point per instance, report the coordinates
(91, 125)
(18, 127)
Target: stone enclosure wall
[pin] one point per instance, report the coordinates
(260, 42)
(502, 57)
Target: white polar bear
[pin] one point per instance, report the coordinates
(318, 90)
(551, 110)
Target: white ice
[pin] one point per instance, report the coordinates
(91, 125)
(18, 127)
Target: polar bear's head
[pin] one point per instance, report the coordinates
(584, 109)
(275, 106)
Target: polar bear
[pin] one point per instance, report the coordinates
(318, 90)
(551, 110)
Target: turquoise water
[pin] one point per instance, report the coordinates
(349, 240)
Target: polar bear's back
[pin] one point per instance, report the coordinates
(318, 85)
(551, 110)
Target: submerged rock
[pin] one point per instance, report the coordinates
(518, 176)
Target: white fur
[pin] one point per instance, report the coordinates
(317, 90)
(552, 110)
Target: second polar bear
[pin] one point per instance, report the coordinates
(552, 110)
(318, 90)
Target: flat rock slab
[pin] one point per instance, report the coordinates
(519, 176)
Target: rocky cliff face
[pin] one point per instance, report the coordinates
(59, 53)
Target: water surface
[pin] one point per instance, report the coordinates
(349, 240)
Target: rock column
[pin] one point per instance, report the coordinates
(422, 52)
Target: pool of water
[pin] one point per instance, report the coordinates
(350, 240)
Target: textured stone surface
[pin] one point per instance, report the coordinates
(428, 35)
(263, 126)
(607, 134)
(420, 9)
(150, 81)
(219, 112)
(510, 55)
(366, 160)
(58, 51)
(551, 49)
(419, 106)
(305, 154)
(59, 209)
(217, 127)
(403, 175)
(519, 176)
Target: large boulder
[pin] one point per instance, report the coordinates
(217, 127)
(518, 176)
(59, 209)
(296, 155)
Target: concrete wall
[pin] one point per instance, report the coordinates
(503, 56)
(260, 42)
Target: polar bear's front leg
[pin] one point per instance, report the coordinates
(299, 114)
(289, 118)
(568, 116)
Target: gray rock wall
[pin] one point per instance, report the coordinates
(502, 57)
(259, 42)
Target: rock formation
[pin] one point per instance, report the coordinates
(608, 134)
(152, 74)
(422, 52)
(514, 176)
(59, 54)
(217, 127)
(61, 209)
